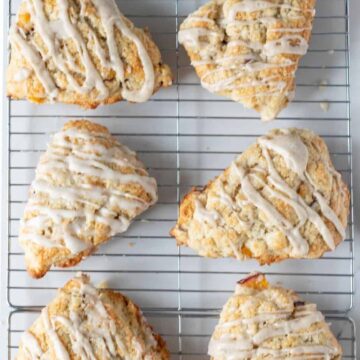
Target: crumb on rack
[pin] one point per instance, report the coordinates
(325, 106)
(323, 84)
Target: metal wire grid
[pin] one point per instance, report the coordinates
(200, 133)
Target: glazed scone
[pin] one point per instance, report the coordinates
(87, 188)
(261, 321)
(249, 50)
(83, 322)
(83, 52)
(282, 198)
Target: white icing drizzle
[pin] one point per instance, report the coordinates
(96, 326)
(226, 199)
(35, 61)
(325, 207)
(290, 44)
(282, 328)
(247, 338)
(74, 153)
(305, 352)
(59, 348)
(291, 148)
(296, 160)
(22, 74)
(81, 345)
(295, 155)
(210, 216)
(192, 37)
(111, 18)
(52, 32)
(31, 346)
(243, 72)
(256, 319)
(47, 34)
(103, 325)
(299, 245)
(249, 6)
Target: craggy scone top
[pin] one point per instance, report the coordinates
(261, 321)
(282, 198)
(83, 322)
(81, 52)
(249, 50)
(87, 188)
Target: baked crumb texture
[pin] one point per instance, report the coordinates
(87, 188)
(249, 50)
(83, 322)
(261, 321)
(281, 198)
(83, 52)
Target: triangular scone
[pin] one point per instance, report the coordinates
(249, 50)
(81, 52)
(88, 187)
(264, 322)
(282, 198)
(83, 322)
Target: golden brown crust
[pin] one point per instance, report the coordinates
(86, 125)
(225, 41)
(79, 300)
(261, 321)
(234, 227)
(39, 261)
(88, 187)
(23, 82)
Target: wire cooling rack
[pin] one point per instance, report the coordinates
(186, 136)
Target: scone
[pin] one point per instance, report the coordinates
(88, 187)
(261, 321)
(83, 322)
(249, 50)
(282, 198)
(83, 52)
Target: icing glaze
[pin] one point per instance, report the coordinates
(84, 331)
(295, 155)
(53, 32)
(289, 44)
(249, 6)
(59, 348)
(74, 153)
(244, 70)
(212, 217)
(193, 36)
(22, 74)
(282, 328)
(291, 148)
(202, 214)
(35, 61)
(31, 346)
(299, 245)
(250, 338)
